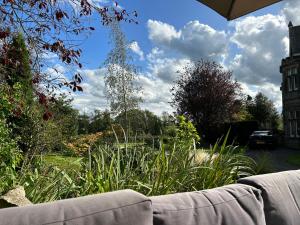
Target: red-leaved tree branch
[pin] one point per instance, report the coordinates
(56, 27)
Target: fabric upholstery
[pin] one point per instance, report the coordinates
(115, 208)
(281, 195)
(229, 205)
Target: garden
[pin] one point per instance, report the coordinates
(56, 152)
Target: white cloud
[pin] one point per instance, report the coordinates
(167, 69)
(56, 72)
(93, 96)
(290, 11)
(134, 46)
(194, 40)
(49, 56)
(162, 33)
(262, 44)
(155, 54)
(156, 95)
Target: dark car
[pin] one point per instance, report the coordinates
(262, 139)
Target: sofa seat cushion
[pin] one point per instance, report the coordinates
(229, 205)
(115, 208)
(281, 196)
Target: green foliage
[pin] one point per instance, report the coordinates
(264, 163)
(294, 159)
(140, 122)
(144, 169)
(65, 116)
(83, 124)
(186, 133)
(263, 110)
(23, 114)
(18, 83)
(66, 163)
(10, 99)
(100, 121)
(44, 184)
(61, 128)
(10, 157)
(157, 172)
(21, 71)
(243, 114)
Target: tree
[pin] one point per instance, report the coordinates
(100, 121)
(83, 124)
(121, 89)
(18, 80)
(62, 127)
(22, 112)
(141, 121)
(65, 116)
(19, 72)
(207, 94)
(262, 110)
(52, 27)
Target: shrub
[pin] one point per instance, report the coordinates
(80, 144)
(10, 157)
(186, 133)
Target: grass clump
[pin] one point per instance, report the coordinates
(264, 163)
(63, 162)
(144, 169)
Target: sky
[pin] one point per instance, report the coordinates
(172, 33)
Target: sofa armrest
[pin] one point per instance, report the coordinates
(281, 196)
(114, 208)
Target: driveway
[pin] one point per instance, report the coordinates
(278, 157)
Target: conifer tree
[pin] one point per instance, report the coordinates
(19, 70)
(18, 78)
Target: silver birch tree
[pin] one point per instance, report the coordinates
(121, 76)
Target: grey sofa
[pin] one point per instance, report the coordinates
(115, 208)
(272, 199)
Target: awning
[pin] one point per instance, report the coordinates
(232, 9)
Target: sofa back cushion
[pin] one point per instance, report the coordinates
(281, 196)
(229, 205)
(115, 208)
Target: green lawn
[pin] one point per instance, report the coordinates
(63, 162)
(294, 159)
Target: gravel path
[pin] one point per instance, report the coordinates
(278, 156)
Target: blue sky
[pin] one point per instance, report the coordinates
(172, 33)
(174, 12)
